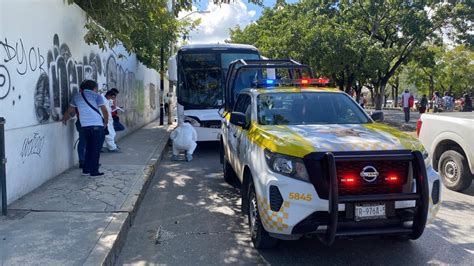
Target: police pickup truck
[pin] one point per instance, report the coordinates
(312, 163)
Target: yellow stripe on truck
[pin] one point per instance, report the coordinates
(407, 141)
(280, 139)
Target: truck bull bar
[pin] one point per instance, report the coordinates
(421, 196)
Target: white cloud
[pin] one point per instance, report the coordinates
(215, 25)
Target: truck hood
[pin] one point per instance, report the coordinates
(303, 139)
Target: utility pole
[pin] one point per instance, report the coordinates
(3, 172)
(162, 82)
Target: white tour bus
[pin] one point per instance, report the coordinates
(200, 72)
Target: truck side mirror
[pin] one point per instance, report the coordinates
(239, 119)
(377, 116)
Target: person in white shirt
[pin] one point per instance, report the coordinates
(184, 139)
(406, 104)
(109, 143)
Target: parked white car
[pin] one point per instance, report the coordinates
(448, 137)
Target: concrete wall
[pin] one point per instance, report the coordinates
(43, 59)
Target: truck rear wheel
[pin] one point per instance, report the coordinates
(454, 171)
(260, 237)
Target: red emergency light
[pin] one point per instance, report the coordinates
(349, 180)
(323, 81)
(392, 179)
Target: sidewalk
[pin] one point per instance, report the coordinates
(76, 220)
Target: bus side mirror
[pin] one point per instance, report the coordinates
(239, 119)
(377, 116)
(172, 69)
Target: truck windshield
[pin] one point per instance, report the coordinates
(201, 77)
(308, 108)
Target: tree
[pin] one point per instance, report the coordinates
(457, 75)
(364, 41)
(398, 28)
(442, 69)
(141, 26)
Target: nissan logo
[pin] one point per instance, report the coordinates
(369, 173)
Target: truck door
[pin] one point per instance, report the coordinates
(235, 132)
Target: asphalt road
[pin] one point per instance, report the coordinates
(191, 216)
(396, 118)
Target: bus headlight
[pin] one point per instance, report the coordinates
(193, 121)
(286, 165)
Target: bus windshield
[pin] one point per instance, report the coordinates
(202, 74)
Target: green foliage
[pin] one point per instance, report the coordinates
(355, 42)
(141, 26)
(441, 69)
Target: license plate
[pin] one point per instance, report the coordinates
(369, 211)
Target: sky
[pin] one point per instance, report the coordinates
(215, 25)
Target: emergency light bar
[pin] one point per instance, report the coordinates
(262, 83)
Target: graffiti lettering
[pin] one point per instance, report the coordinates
(131, 91)
(26, 62)
(32, 146)
(55, 87)
(60, 75)
(4, 82)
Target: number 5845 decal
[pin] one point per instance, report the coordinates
(300, 196)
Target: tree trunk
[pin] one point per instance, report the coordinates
(379, 93)
(395, 97)
(431, 87)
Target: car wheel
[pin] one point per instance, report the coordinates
(454, 171)
(229, 173)
(260, 237)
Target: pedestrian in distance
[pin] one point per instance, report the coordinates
(423, 105)
(184, 139)
(467, 106)
(109, 143)
(448, 102)
(88, 101)
(166, 100)
(438, 102)
(407, 103)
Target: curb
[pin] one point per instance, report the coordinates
(111, 241)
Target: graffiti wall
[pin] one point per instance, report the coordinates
(43, 60)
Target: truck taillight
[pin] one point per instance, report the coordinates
(418, 127)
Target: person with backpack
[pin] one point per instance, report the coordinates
(407, 103)
(423, 105)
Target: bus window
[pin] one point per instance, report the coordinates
(200, 80)
(227, 58)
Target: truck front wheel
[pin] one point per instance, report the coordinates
(454, 171)
(260, 237)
